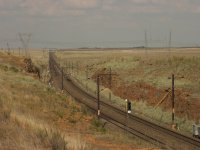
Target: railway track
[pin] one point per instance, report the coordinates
(146, 130)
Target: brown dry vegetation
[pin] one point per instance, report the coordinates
(36, 116)
(144, 77)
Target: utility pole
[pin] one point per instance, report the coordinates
(128, 111)
(173, 109)
(169, 46)
(146, 43)
(62, 87)
(110, 83)
(77, 68)
(98, 97)
(72, 65)
(8, 48)
(43, 51)
(86, 72)
(98, 91)
(68, 67)
(19, 51)
(25, 39)
(87, 76)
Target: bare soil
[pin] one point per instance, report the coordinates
(184, 106)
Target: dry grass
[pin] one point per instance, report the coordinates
(134, 66)
(36, 116)
(33, 109)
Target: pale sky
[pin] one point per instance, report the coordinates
(100, 23)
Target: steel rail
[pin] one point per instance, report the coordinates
(194, 143)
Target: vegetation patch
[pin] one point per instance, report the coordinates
(144, 80)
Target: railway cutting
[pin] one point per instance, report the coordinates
(146, 130)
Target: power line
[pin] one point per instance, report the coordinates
(25, 39)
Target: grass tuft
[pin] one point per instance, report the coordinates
(98, 125)
(57, 141)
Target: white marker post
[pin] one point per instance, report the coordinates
(128, 111)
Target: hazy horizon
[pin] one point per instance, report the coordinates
(100, 23)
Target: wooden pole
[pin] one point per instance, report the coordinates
(62, 87)
(110, 83)
(173, 109)
(98, 98)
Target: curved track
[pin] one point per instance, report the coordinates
(146, 130)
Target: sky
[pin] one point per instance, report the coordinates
(100, 23)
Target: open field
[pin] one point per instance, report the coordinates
(143, 77)
(36, 116)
